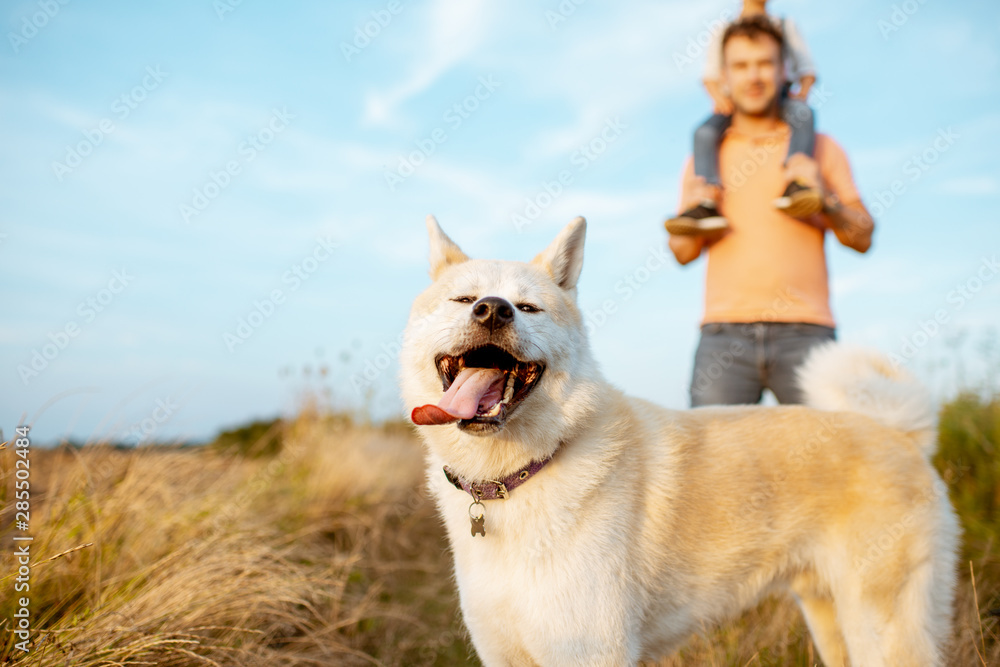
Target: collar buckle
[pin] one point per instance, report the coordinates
(501, 488)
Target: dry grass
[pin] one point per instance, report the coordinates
(326, 554)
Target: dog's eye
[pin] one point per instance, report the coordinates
(528, 308)
(464, 299)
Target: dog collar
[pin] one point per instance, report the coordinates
(491, 489)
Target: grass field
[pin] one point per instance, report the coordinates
(325, 550)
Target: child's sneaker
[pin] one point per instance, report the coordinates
(799, 201)
(701, 219)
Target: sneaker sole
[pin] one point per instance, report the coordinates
(800, 205)
(690, 227)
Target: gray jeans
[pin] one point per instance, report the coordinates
(735, 362)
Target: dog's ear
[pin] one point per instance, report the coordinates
(563, 259)
(444, 252)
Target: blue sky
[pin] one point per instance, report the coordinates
(170, 169)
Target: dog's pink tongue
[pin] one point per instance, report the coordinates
(463, 397)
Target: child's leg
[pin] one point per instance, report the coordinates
(803, 123)
(798, 200)
(706, 148)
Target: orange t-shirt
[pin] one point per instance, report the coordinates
(770, 267)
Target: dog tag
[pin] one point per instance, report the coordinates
(478, 522)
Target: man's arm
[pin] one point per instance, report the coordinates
(852, 223)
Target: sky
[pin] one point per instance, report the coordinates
(204, 202)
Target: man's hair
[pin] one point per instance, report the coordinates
(754, 27)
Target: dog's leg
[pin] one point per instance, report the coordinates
(917, 633)
(602, 634)
(821, 617)
(493, 646)
(862, 630)
(579, 653)
(898, 609)
(493, 652)
(814, 599)
(901, 618)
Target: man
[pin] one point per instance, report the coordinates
(794, 111)
(766, 287)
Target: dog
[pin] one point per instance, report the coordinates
(590, 528)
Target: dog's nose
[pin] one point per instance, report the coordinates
(493, 312)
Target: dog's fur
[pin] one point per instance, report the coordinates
(650, 523)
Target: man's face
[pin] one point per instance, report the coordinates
(754, 74)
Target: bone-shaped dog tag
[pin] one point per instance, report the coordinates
(478, 522)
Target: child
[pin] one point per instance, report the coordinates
(797, 200)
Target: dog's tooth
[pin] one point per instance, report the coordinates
(508, 392)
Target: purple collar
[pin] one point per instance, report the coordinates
(491, 489)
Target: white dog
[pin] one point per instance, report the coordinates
(590, 528)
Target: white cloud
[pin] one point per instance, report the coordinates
(628, 56)
(453, 30)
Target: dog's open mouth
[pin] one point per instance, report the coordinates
(482, 388)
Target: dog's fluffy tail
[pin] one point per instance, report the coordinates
(841, 377)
